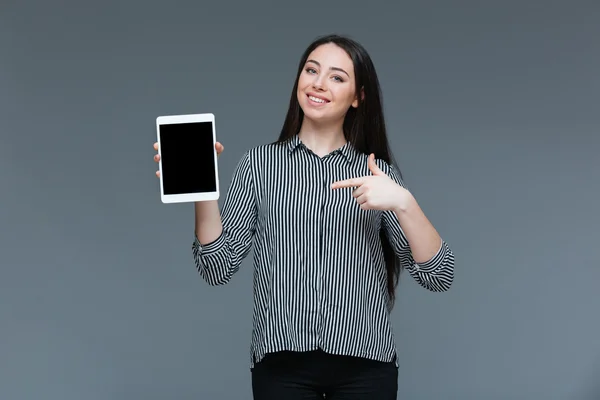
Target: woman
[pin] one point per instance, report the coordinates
(332, 226)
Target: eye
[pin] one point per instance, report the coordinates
(338, 78)
(310, 70)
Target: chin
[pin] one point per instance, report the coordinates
(315, 115)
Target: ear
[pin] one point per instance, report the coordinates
(362, 98)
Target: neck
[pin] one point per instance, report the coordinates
(322, 139)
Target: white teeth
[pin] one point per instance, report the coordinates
(316, 99)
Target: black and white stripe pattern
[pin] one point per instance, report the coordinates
(319, 272)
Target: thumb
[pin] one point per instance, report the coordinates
(373, 166)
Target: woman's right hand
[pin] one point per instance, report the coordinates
(218, 146)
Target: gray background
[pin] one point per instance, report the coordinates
(493, 114)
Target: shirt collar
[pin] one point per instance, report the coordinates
(347, 150)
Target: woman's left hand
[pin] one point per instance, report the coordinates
(376, 192)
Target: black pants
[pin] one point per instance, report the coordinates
(318, 375)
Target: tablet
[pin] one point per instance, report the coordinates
(188, 158)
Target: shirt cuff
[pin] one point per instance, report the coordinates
(434, 262)
(211, 247)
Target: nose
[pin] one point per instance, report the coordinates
(318, 83)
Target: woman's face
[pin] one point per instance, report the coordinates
(326, 86)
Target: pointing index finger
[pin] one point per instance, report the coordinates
(347, 183)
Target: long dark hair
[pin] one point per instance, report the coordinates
(364, 126)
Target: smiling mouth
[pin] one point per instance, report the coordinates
(317, 100)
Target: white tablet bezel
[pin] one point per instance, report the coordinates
(187, 197)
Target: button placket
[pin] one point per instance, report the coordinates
(323, 235)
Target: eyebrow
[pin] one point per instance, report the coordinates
(332, 68)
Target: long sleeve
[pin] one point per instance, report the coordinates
(216, 262)
(436, 274)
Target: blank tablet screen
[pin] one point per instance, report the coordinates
(187, 157)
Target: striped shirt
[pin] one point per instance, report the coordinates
(319, 271)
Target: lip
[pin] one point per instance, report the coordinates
(318, 97)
